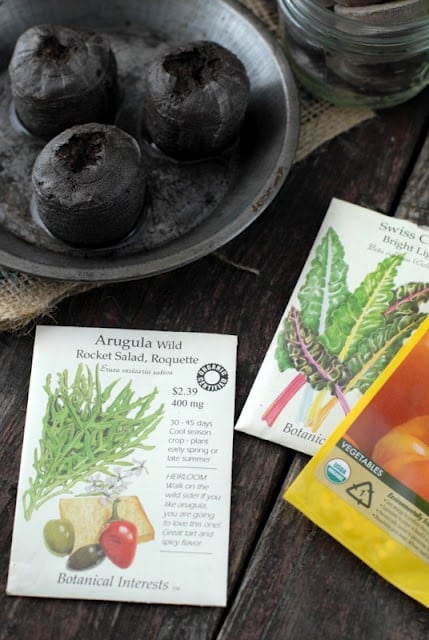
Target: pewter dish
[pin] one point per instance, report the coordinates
(192, 208)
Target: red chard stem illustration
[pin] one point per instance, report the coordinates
(275, 409)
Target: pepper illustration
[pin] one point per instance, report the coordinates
(118, 539)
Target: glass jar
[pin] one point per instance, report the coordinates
(350, 62)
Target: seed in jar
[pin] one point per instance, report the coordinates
(357, 3)
(391, 13)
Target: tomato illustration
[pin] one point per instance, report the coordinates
(403, 397)
(404, 453)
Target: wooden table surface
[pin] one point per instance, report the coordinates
(287, 579)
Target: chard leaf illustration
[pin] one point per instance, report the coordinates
(364, 329)
(376, 351)
(310, 358)
(325, 286)
(407, 298)
(281, 353)
(324, 289)
(362, 313)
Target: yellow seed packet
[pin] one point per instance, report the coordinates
(368, 486)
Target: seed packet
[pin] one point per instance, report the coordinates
(362, 292)
(125, 479)
(368, 486)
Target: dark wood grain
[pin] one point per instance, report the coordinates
(414, 204)
(301, 584)
(299, 579)
(286, 579)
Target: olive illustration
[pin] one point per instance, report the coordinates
(62, 76)
(59, 536)
(196, 96)
(89, 184)
(85, 557)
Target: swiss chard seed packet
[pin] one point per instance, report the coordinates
(368, 486)
(363, 291)
(124, 487)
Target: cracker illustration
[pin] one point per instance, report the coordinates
(88, 516)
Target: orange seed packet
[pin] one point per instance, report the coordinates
(368, 486)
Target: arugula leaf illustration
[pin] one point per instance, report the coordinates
(86, 429)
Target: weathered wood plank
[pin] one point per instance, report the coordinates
(214, 295)
(414, 203)
(303, 584)
(300, 580)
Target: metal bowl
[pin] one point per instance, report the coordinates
(266, 147)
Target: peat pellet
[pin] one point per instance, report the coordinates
(89, 185)
(196, 96)
(62, 76)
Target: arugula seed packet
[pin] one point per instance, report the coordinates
(125, 479)
(362, 293)
(368, 486)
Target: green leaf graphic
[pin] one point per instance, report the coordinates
(407, 297)
(325, 286)
(362, 313)
(310, 358)
(86, 430)
(339, 340)
(324, 289)
(378, 350)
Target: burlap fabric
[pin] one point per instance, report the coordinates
(24, 298)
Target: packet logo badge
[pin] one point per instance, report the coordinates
(212, 377)
(337, 471)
